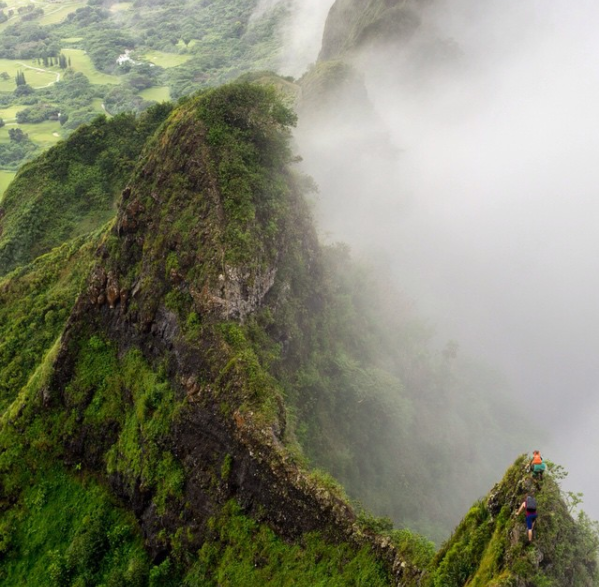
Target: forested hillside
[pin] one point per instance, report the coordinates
(194, 388)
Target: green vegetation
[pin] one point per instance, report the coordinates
(240, 551)
(69, 531)
(72, 189)
(202, 45)
(156, 94)
(5, 178)
(59, 13)
(82, 63)
(35, 302)
(214, 353)
(490, 546)
(113, 417)
(166, 60)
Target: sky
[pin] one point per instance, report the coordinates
(477, 192)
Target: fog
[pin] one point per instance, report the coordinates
(477, 192)
(302, 34)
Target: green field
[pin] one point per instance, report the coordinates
(71, 40)
(157, 93)
(80, 61)
(55, 15)
(165, 60)
(97, 105)
(53, 11)
(9, 114)
(35, 78)
(121, 6)
(5, 179)
(44, 134)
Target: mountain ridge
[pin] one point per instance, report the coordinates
(176, 375)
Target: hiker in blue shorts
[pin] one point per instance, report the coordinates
(530, 505)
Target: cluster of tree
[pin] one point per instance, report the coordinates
(18, 149)
(105, 45)
(20, 79)
(87, 16)
(124, 99)
(25, 8)
(5, 16)
(38, 113)
(31, 13)
(28, 41)
(50, 61)
(23, 90)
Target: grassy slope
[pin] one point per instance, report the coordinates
(80, 61)
(71, 189)
(35, 302)
(5, 178)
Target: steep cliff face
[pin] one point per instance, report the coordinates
(195, 250)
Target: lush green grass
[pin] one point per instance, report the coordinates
(55, 14)
(72, 40)
(10, 113)
(97, 105)
(36, 79)
(243, 552)
(80, 61)
(44, 134)
(70, 532)
(120, 6)
(158, 94)
(34, 305)
(165, 60)
(71, 189)
(5, 178)
(4, 132)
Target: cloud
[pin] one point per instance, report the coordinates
(484, 203)
(301, 32)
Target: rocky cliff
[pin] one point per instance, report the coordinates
(159, 389)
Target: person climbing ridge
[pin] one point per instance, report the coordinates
(530, 505)
(537, 466)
